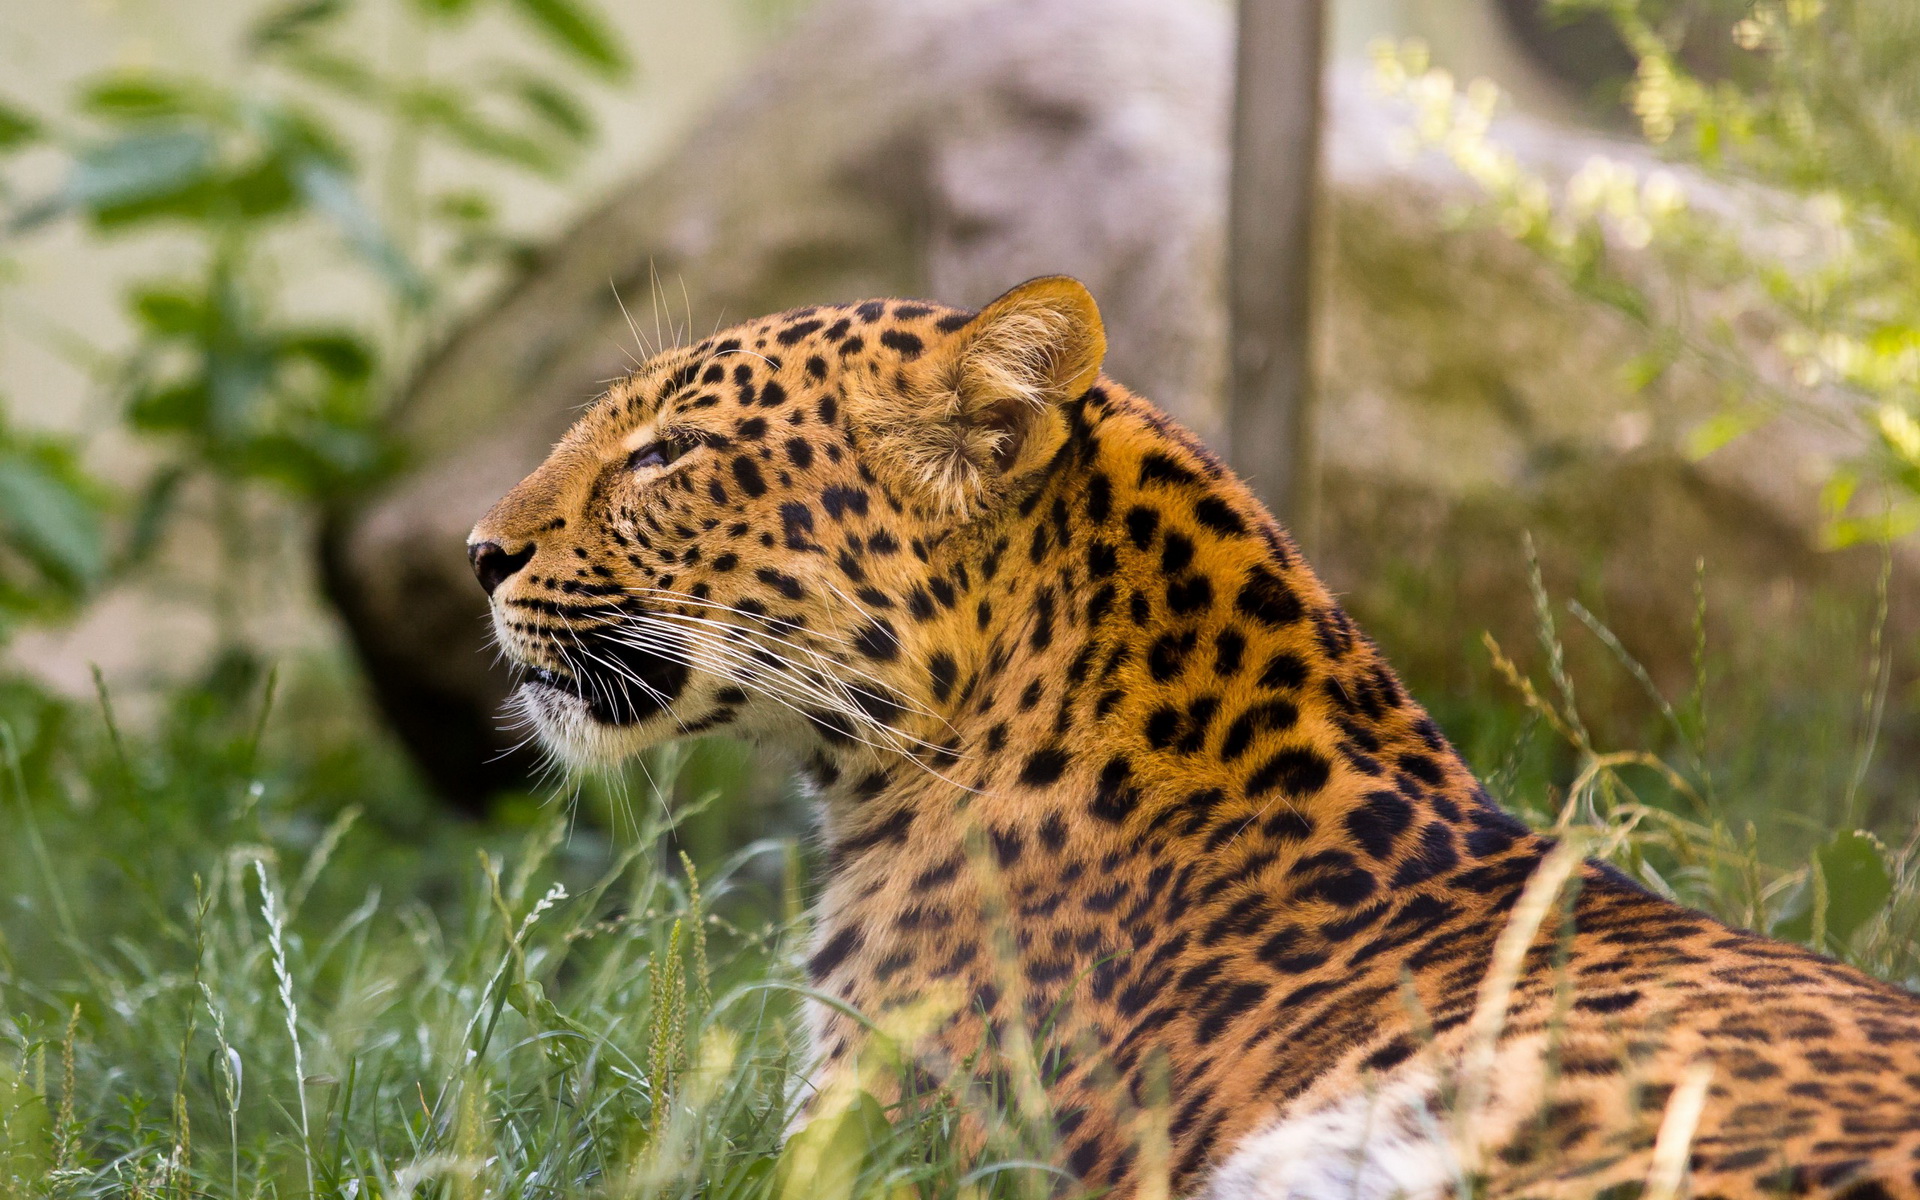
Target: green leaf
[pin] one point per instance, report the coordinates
(342, 74)
(1837, 493)
(554, 107)
(140, 168)
(342, 355)
(1852, 874)
(563, 1039)
(48, 517)
(1721, 429)
(580, 29)
(174, 408)
(1894, 338)
(292, 21)
(1838, 533)
(464, 207)
(150, 512)
(316, 460)
(452, 115)
(18, 127)
(169, 312)
(261, 188)
(444, 8)
(1645, 370)
(142, 97)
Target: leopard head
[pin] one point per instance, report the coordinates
(741, 533)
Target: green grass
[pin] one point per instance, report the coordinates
(235, 962)
(241, 955)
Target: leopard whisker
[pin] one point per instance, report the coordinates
(816, 681)
(735, 664)
(742, 351)
(836, 667)
(822, 701)
(731, 662)
(787, 623)
(624, 675)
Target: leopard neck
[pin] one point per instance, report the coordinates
(1135, 651)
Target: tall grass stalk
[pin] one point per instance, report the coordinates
(277, 942)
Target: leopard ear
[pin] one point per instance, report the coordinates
(984, 408)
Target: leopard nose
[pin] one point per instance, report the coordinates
(493, 566)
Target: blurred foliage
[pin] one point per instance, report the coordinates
(1814, 101)
(53, 545)
(1788, 216)
(228, 388)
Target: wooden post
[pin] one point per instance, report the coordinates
(1276, 155)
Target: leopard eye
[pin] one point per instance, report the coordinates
(662, 453)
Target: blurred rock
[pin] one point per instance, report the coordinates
(892, 147)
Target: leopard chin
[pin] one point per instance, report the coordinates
(617, 700)
(567, 727)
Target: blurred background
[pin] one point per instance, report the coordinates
(1577, 340)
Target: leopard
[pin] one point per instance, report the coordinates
(1108, 783)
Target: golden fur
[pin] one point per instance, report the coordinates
(1106, 774)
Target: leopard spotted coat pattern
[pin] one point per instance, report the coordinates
(1104, 771)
